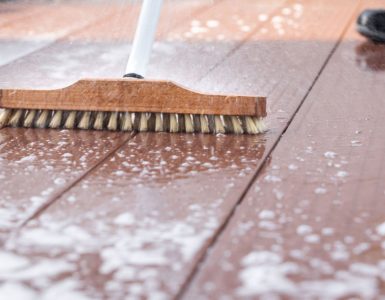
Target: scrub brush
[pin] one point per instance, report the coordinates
(133, 103)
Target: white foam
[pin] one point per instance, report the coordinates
(272, 178)
(124, 219)
(320, 190)
(28, 158)
(343, 285)
(381, 229)
(342, 173)
(59, 181)
(42, 268)
(43, 237)
(212, 23)
(266, 214)
(304, 229)
(64, 290)
(16, 291)
(263, 17)
(264, 273)
(330, 154)
(10, 262)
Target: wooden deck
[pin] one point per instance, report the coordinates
(298, 212)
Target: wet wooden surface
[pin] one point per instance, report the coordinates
(110, 215)
(312, 224)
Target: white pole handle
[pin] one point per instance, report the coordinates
(144, 37)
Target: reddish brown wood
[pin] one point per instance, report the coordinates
(139, 223)
(312, 225)
(133, 96)
(38, 165)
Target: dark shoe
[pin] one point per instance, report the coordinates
(371, 24)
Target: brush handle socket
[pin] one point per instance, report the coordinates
(144, 37)
(133, 75)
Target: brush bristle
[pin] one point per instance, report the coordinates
(29, 118)
(237, 125)
(173, 123)
(204, 124)
(158, 122)
(85, 119)
(56, 120)
(99, 121)
(70, 120)
(189, 123)
(127, 121)
(219, 124)
(5, 114)
(113, 122)
(41, 121)
(143, 122)
(16, 117)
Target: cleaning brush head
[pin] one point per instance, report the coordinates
(132, 105)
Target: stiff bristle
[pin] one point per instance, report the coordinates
(173, 123)
(70, 121)
(56, 120)
(251, 127)
(85, 119)
(99, 120)
(143, 122)
(126, 122)
(189, 125)
(237, 125)
(5, 114)
(204, 124)
(260, 123)
(16, 117)
(113, 122)
(158, 122)
(219, 124)
(41, 121)
(29, 118)
(129, 121)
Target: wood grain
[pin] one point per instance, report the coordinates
(155, 206)
(311, 225)
(132, 96)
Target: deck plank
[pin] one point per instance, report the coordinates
(138, 224)
(312, 224)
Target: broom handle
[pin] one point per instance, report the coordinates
(144, 37)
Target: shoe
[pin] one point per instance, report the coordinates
(371, 24)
